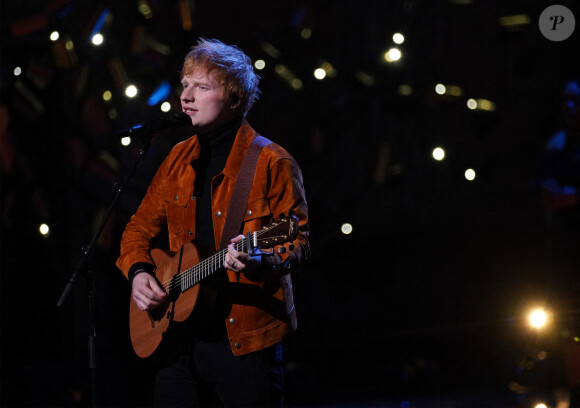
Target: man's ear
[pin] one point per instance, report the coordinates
(235, 102)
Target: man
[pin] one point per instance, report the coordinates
(234, 356)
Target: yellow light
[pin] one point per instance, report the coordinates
(97, 39)
(107, 95)
(398, 38)
(470, 174)
(54, 36)
(541, 405)
(440, 89)
(131, 91)
(485, 104)
(44, 229)
(471, 104)
(306, 33)
(319, 73)
(296, 83)
(454, 90)
(538, 318)
(393, 55)
(405, 90)
(260, 64)
(165, 107)
(346, 228)
(438, 153)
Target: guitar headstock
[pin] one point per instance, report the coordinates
(283, 230)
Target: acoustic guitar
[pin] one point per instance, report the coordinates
(180, 275)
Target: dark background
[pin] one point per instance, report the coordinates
(425, 300)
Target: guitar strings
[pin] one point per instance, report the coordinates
(204, 267)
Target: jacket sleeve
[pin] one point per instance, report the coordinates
(287, 197)
(148, 221)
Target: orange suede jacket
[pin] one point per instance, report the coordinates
(262, 311)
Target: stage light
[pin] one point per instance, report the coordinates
(346, 228)
(365, 78)
(319, 73)
(393, 55)
(144, 9)
(17, 71)
(54, 36)
(470, 174)
(405, 90)
(44, 230)
(538, 318)
(440, 89)
(98, 27)
(97, 39)
(306, 33)
(126, 141)
(485, 104)
(260, 64)
(288, 76)
(398, 38)
(159, 94)
(438, 153)
(471, 104)
(165, 107)
(541, 405)
(107, 96)
(131, 91)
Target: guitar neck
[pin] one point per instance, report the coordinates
(197, 273)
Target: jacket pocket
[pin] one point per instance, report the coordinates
(176, 202)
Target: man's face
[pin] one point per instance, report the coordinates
(203, 100)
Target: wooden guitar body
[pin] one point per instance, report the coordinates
(149, 329)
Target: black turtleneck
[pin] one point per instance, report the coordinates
(215, 149)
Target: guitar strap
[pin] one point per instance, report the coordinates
(239, 200)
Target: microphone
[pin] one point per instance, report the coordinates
(169, 121)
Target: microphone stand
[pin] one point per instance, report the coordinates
(86, 253)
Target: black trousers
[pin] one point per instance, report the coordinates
(211, 376)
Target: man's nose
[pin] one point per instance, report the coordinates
(187, 95)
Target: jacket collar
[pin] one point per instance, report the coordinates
(242, 142)
(244, 138)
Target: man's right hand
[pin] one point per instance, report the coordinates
(147, 294)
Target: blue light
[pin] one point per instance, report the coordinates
(100, 22)
(160, 94)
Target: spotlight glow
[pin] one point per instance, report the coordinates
(398, 38)
(438, 153)
(393, 55)
(260, 64)
(17, 71)
(440, 89)
(54, 36)
(346, 228)
(538, 318)
(470, 174)
(44, 229)
(97, 39)
(165, 107)
(131, 91)
(319, 73)
(126, 141)
(107, 96)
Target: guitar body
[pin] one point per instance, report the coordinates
(149, 328)
(162, 331)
